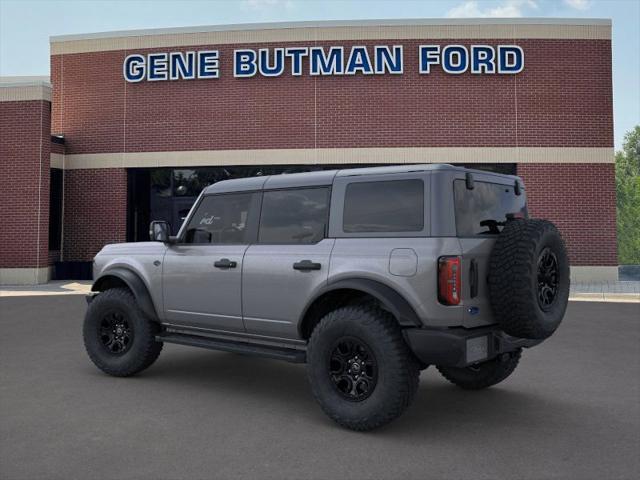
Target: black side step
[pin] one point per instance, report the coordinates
(278, 353)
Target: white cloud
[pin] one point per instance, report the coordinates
(578, 4)
(507, 8)
(266, 4)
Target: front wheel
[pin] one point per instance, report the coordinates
(361, 371)
(119, 338)
(483, 375)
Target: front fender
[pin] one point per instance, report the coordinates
(135, 284)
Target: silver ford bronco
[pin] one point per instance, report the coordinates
(367, 275)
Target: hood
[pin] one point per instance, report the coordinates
(133, 248)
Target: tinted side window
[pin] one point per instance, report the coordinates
(483, 210)
(294, 216)
(221, 219)
(386, 206)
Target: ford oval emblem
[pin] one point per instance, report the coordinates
(473, 310)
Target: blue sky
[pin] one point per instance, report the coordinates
(25, 26)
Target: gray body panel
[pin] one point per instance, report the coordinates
(139, 258)
(371, 258)
(274, 295)
(200, 295)
(264, 298)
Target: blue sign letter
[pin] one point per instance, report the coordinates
(133, 68)
(483, 59)
(331, 64)
(510, 59)
(244, 63)
(429, 55)
(274, 70)
(455, 59)
(208, 64)
(359, 61)
(296, 55)
(181, 67)
(385, 61)
(157, 67)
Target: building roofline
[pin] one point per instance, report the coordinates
(24, 89)
(333, 24)
(22, 81)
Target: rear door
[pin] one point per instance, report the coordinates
(289, 262)
(480, 214)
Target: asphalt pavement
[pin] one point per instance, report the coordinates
(571, 410)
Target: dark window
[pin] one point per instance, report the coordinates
(483, 210)
(55, 209)
(389, 206)
(294, 216)
(221, 219)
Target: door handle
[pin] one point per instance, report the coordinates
(225, 263)
(306, 265)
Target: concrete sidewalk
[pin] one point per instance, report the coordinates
(621, 291)
(55, 287)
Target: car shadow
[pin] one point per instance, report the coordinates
(439, 407)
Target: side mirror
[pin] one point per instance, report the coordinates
(159, 231)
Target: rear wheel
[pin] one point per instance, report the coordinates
(484, 374)
(361, 372)
(118, 337)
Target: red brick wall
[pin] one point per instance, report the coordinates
(562, 98)
(581, 200)
(57, 148)
(95, 211)
(24, 196)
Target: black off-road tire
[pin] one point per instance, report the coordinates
(518, 273)
(119, 304)
(484, 374)
(397, 369)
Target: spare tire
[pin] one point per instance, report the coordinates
(529, 278)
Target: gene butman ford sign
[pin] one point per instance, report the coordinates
(327, 61)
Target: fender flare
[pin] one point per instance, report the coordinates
(387, 296)
(135, 284)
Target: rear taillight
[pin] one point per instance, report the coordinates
(449, 280)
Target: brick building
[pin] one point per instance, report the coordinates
(133, 124)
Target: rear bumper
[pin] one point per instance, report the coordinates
(461, 347)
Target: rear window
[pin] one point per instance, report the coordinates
(294, 216)
(483, 210)
(387, 206)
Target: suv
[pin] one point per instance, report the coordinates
(367, 275)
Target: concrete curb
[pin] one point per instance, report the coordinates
(605, 297)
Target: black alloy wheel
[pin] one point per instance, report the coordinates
(353, 369)
(115, 332)
(547, 278)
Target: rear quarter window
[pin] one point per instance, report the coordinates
(484, 210)
(384, 206)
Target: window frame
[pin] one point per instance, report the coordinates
(325, 233)
(336, 221)
(252, 217)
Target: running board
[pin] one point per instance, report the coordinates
(278, 353)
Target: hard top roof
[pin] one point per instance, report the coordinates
(326, 177)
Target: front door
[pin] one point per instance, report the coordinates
(202, 273)
(289, 262)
